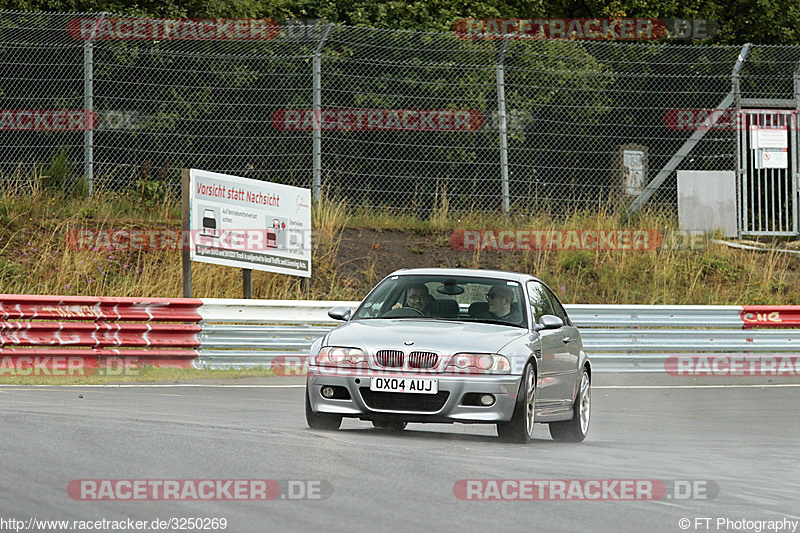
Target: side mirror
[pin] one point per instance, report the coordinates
(549, 322)
(340, 313)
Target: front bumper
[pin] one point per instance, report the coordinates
(447, 406)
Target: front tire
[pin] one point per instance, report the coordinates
(520, 428)
(575, 430)
(320, 420)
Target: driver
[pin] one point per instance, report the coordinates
(419, 298)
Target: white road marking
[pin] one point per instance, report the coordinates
(662, 502)
(154, 385)
(162, 385)
(743, 386)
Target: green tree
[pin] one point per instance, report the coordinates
(740, 21)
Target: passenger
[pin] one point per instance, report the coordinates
(499, 306)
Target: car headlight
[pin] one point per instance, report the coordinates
(486, 363)
(340, 355)
(462, 360)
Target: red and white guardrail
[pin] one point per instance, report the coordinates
(770, 316)
(76, 335)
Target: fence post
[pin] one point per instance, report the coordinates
(186, 227)
(795, 149)
(317, 130)
(88, 110)
(501, 122)
(741, 147)
(736, 76)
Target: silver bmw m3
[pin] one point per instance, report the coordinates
(454, 345)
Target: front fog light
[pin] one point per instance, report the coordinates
(487, 400)
(327, 392)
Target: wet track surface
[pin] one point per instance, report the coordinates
(743, 439)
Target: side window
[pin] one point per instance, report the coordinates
(539, 301)
(558, 309)
(381, 301)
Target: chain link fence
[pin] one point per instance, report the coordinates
(406, 121)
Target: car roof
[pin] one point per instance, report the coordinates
(473, 272)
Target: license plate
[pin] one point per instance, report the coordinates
(411, 385)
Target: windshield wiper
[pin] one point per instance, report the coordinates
(492, 321)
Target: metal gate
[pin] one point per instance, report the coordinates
(767, 166)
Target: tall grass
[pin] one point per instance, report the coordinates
(713, 274)
(35, 218)
(34, 257)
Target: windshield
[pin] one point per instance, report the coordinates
(446, 298)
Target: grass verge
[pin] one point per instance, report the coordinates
(141, 375)
(34, 259)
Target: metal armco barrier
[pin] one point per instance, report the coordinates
(618, 338)
(75, 335)
(250, 333)
(222, 333)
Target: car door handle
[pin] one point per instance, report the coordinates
(566, 340)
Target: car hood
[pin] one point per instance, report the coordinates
(444, 337)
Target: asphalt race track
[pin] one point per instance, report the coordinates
(742, 439)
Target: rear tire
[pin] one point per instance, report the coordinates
(390, 426)
(575, 430)
(320, 420)
(520, 428)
